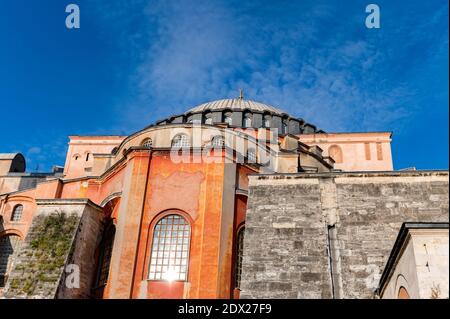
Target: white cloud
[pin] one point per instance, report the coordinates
(208, 50)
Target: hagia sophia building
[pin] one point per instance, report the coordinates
(232, 199)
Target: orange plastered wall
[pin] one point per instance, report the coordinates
(195, 190)
(78, 162)
(20, 228)
(369, 151)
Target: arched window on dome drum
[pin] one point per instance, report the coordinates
(147, 143)
(239, 255)
(248, 120)
(8, 245)
(169, 259)
(267, 121)
(208, 118)
(181, 140)
(335, 152)
(17, 213)
(218, 141)
(285, 127)
(227, 118)
(251, 155)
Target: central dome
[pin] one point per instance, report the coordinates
(235, 105)
(242, 113)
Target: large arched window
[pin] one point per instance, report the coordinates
(147, 143)
(181, 140)
(239, 254)
(8, 244)
(169, 259)
(17, 213)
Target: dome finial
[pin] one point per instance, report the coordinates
(241, 94)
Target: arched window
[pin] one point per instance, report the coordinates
(267, 121)
(251, 155)
(218, 141)
(17, 213)
(239, 254)
(8, 244)
(169, 259)
(248, 120)
(336, 153)
(104, 257)
(208, 118)
(181, 140)
(403, 293)
(227, 118)
(76, 156)
(285, 127)
(87, 156)
(147, 143)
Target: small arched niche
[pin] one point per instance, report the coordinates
(335, 152)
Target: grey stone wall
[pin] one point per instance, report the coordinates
(63, 231)
(330, 235)
(285, 244)
(83, 252)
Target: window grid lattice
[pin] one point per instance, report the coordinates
(218, 141)
(8, 244)
(251, 156)
(181, 141)
(17, 213)
(147, 143)
(239, 254)
(170, 249)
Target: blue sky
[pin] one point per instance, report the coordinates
(134, 62)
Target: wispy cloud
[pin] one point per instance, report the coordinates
(284, 56)
(314, 58)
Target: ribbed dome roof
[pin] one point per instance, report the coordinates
(235, 105)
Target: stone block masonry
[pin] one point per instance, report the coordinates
(62, 230)
(312, 235)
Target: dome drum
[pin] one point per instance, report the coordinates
(245, 114)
